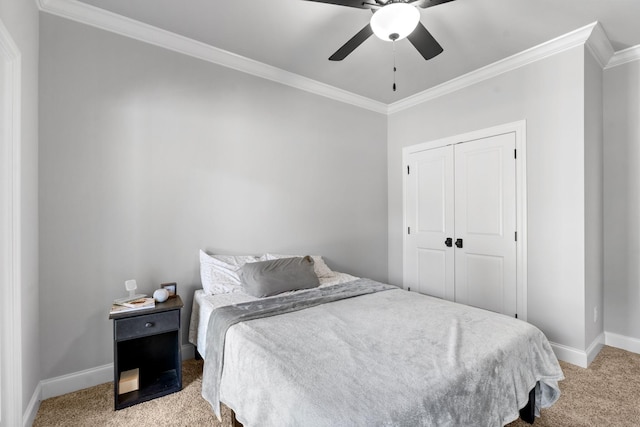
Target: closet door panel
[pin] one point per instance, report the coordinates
(432, 272)
(429, 263)
(485, 281)
(485, 213)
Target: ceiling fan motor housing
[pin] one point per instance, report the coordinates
(395, 21)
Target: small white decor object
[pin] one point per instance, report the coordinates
(131, 286)
(161, 295)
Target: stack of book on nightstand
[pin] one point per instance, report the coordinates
(136, 304)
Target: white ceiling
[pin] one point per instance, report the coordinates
(299, 36)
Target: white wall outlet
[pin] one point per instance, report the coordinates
(595, 314)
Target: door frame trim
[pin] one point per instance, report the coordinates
(10, 226)
(519, 128)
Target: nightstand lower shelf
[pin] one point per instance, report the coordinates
(166, 383)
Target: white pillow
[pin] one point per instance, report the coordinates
(321, 269)
(219, 273)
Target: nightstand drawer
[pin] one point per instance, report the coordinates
(149, 324)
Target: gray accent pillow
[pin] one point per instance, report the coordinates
(266, 278)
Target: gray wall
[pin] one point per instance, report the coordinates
(622, 199)
(21, 19)
(549, 95)
(148, 156)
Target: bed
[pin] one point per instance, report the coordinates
(356, 352)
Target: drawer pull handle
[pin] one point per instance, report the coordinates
(148, 325)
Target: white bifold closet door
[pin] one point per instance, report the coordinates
(460, 211)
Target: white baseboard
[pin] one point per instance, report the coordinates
(188, 352)
(88, 378)
(623, 342)
(594, 348)
(570, 354)
(584, 358)
(76, 381)
(29, 415)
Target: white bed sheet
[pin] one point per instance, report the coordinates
(204, 304)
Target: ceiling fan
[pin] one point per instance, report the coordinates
(392, 20)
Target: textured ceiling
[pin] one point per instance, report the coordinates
(299, 36)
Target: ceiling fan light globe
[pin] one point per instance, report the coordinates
(395, 19)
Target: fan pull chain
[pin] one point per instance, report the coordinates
(394, 64)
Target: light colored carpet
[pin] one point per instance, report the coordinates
(94, 407)
(605, 394)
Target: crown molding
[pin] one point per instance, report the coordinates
(560, 44)
(112, 22)
(624, 56)
(592, 36)
(599, 45)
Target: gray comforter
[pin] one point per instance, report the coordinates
(390, 358)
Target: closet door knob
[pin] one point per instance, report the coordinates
(459, 243)
(449, 242)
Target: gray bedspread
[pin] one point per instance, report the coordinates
(223, 318)
(392, 358)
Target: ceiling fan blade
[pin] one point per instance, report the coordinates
(353, 43)
(349, 3)
(429, 3)
(424, 42)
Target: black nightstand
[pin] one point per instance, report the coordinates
(148, 340)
